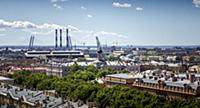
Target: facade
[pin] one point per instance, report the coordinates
(120, 66)
(121, 79)
(6, 80)
(54, 54)
(181, 86)
(168, 89)
(33, 69)
(57, 69)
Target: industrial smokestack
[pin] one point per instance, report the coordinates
(56, 38)
(67, 39)
(61, 38)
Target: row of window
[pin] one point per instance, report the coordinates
(169, 87)
(40, 53)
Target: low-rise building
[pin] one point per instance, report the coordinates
(57, 69)
(165, 83)
(24, 98)
(6, 80)
(121, 79)
(195, 68)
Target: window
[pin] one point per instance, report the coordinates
(66, 53)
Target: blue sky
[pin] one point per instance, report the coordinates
(124, 22)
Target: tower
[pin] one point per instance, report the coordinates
(67, 39)
(60, 38)
(56, 38)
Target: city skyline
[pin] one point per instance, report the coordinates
(123, 22)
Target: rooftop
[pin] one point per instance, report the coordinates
(121, 75)
(4, 78)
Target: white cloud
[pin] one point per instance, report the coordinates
(16, 24)
(121, 5)
(89, 16)
(41, 32)
(72, 28)
(43, 29)
(196, 3)
(54, 1)
(104, 33)
(139, 9)
(83, 8)
(47, 29)
(57, 6)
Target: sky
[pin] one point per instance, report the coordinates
(115, 22)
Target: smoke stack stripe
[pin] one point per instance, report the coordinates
(67, 39)
(61, 38)
(56, 38)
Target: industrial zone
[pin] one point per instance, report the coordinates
(170, 72)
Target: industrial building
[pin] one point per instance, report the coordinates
(54, 54)
(58, 52)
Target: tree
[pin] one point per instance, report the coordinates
(20, 76)
(75, 67)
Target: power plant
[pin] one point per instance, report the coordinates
(60, 38)
(56, 38)
(68, 40)
(58, 52)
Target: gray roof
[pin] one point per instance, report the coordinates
(121, 75)
(32, 97)
(171, 83)
(149, 81)
(5, 78)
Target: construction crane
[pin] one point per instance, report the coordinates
(99, 50)
(31, 42)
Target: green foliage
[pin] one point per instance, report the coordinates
(21, 76)
(75, 68)
(194, 59)
(112, 58)
(78, 86)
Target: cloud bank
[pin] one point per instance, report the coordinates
(47, 29)
(40, 29)
(30, 25)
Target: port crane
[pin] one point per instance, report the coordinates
(99, 50)
(32, 38)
